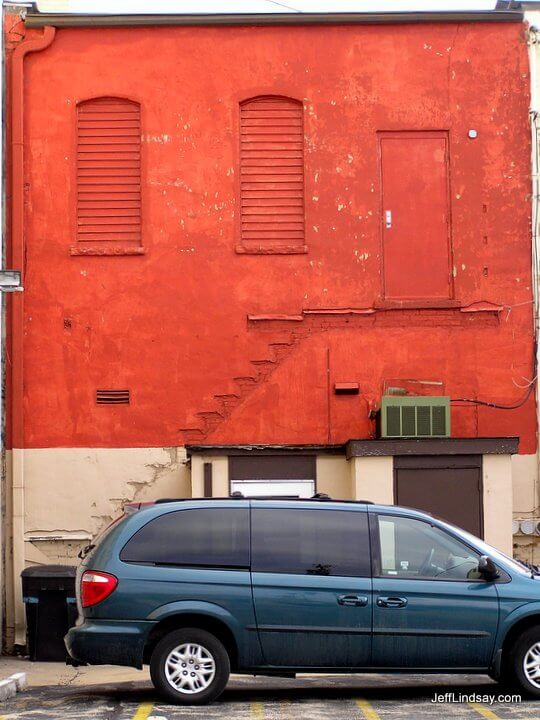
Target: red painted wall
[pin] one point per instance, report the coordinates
(172, 325)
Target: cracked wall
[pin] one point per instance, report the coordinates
(90, 487)
(172, 325)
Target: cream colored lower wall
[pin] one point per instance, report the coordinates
(220, 475)
(70, 494)
(67, 495)
(334, 477)
(74, 493)
(373, 479)
(510, 484)
(497, 501)
(525, 485)
(7, 589)
(525, 505)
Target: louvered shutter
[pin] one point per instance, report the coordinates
(272, 174)
(109, 172)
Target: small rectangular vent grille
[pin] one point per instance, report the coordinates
(438, 420)
(109, 171)
(272, 171)
(112, 397)
(393, 421)
(415, 416)
(425, 422)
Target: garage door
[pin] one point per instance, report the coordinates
(447, 486)
(277, 475)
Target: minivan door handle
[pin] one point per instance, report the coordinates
(353, 600)
(391, 602)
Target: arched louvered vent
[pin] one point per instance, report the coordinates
(109, 173)
(272, 175)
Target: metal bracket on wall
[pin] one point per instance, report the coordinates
(10, 281)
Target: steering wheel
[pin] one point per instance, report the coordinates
(426, 564)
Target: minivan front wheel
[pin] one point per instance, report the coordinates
(190, 666)
(524, 662)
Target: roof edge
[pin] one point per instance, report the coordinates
(265, 449)
(60, 20)
(432, 446)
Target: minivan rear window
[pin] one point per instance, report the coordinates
(310, 542)
(202, 537)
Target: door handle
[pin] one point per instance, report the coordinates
(353, 600)
(388, 219)
(391, 602)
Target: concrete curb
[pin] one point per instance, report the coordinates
(14, 684)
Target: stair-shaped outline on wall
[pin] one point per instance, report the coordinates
(301, 326)
(207, 421)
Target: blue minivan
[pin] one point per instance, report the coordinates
(201, 588)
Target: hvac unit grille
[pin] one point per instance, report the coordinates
(272, 172)
(415, 416)
(113, 397)
(109, 171)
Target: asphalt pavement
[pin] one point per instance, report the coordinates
(350, 697)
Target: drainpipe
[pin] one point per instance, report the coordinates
(534, 59)
(33, 44)
(2, 330)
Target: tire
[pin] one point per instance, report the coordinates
(190, 667)
(523, 663)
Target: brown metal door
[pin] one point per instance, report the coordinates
(449, 487)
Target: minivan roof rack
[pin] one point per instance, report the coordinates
(318, 497)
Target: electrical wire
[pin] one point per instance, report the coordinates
(485, 403)
(513, 406)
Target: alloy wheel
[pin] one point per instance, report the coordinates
(190, 668)
(531, 665)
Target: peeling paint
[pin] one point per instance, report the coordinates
(172, 323)
(160, 139)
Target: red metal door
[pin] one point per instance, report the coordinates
(415, 215)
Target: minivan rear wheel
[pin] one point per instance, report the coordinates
(190, 666)
(523, 662)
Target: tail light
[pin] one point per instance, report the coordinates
(96, 586)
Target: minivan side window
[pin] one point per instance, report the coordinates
(205, 537)
(310, 542)
(414, 549)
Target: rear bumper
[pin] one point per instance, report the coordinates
(108, 642)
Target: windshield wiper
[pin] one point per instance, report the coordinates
(533, 569)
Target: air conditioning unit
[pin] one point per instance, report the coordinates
(415, 416)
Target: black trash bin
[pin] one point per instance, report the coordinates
(51, 609)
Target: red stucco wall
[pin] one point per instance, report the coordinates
(172, 325)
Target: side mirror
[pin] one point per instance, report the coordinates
(487, 568)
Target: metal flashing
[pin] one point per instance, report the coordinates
(232, 450)
(433, 446)
(59, 20)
